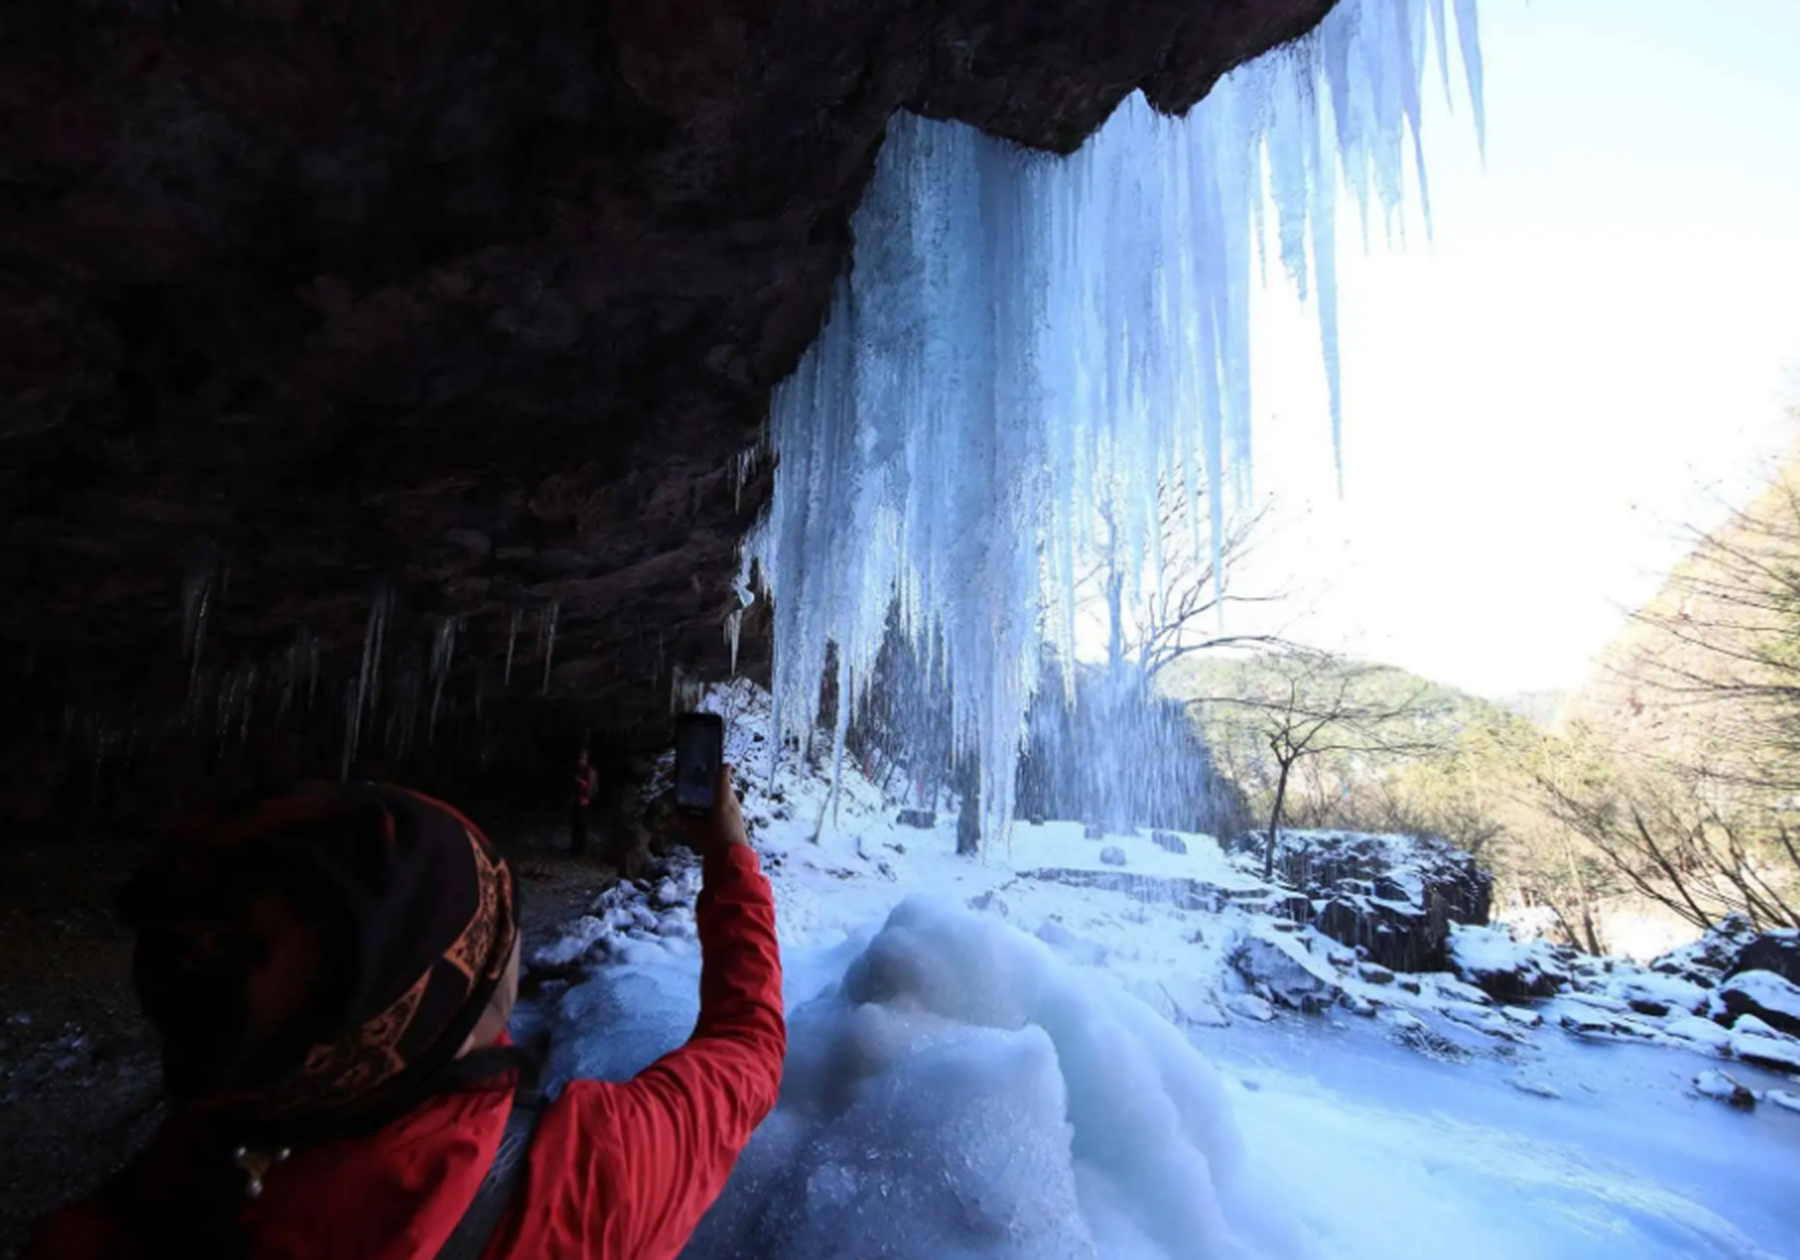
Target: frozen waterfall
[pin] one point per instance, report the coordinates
(1023, 337)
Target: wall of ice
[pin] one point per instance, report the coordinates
(1023, 337)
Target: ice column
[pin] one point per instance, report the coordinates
(1022, 338)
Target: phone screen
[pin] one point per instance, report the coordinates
(699, 748)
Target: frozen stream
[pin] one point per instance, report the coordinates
(1386, 1151)
(957, 1091)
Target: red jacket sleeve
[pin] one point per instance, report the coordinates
(665, 1142)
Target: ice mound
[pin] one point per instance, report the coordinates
(1044, 1114)
(956, 1091)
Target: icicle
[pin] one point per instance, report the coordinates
(547, 638)
(734, 625)
(742, 467)
(512, 638)
(1022, 338)
(290, 678)
(249, 707)
(840, 733)
(365, 690)
(443, 648)
(312, 672)
(1468, 33)
(196, 606)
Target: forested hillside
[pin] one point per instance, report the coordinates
(1650, 804)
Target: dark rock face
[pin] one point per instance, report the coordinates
(1393, 897)
(1287, 976)
(1730, 947)
(1778, 952)
(480, 302)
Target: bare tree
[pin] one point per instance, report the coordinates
(1307, 706)
(1181, 610)
(1690, 771)
(1680, 840)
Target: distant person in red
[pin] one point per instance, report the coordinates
(330, 977)
(581, 797)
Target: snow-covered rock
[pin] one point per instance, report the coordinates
(1777, 952)
(1781, 1098)
(1393, 896)
(1193, 1002)
(1375, 973)
(1506, 969)
(1522, 1017)
(1780, 1053)
(1599, 1002)
(1406, 1021)
(1767, 996)
(1590, 1023)
(1293, 976)
(1713, 1083)
(1250, 1007)
(1751, 1026)
(1457, 991)
(1702, 1032)
(1113, 855)
(1706, 960)
(1657, 996)
(1534, 1086)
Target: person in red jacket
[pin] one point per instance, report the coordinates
(331, 975)
(581, 797)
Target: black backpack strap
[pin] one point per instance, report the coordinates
(476, 1229)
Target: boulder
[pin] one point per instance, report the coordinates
(1093, 831)
(1702, 1032)
(1194, 1003)
(1775, 952)
(1394, 896)
(920, 819)
(1505, 969)
(1250, 1007)
(1168, 841)
(1706, 960)
(1779, 1053)
(1292, 976)
(1765, 995)
(1113, 855)
(1713, 1083)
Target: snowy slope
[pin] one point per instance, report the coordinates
(989, 1060)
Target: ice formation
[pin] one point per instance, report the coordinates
(1023, 337)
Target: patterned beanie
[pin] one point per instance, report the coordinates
(414, 920)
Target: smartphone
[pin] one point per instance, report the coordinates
(699, 750)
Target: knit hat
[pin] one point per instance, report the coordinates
(402, 916)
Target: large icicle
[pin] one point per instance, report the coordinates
(1023, 339)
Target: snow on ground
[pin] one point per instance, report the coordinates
(1040, 1054)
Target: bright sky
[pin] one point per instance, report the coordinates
(1597, 347)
